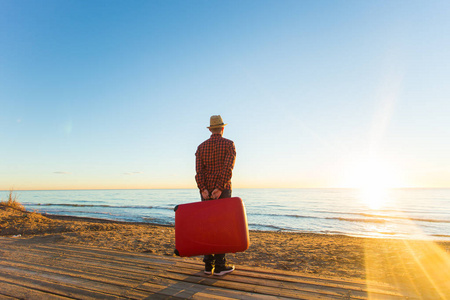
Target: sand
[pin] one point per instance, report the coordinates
(410, 264)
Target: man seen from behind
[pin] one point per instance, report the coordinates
(214, 163)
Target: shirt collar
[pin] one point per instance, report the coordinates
(216, 136)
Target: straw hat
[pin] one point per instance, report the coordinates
(216, 122)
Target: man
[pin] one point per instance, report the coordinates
(214, 164)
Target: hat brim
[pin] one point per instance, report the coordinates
(216, 126)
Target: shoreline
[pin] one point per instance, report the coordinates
(97, 220)
(101, 220)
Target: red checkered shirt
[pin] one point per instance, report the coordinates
(214, 163)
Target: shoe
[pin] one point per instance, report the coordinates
(209, 269)
(222, 270)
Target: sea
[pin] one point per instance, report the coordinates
(398, 213)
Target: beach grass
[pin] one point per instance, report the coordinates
(12, 201)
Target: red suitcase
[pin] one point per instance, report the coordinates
(211, 227)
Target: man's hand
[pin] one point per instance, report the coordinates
(216, 194)
(205, 194)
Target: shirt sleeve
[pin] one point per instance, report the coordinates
(200, 173)
(227, 169)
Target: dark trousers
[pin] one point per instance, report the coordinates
(216, 259)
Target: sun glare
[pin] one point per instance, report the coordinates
(373, 178)
(374, 197)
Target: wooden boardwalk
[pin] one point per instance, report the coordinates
(54, 271)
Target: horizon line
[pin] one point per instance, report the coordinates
(256, 188)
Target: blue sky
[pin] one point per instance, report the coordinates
(118, 94)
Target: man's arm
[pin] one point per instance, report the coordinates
(200, 175)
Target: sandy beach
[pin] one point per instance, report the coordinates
(410, 264)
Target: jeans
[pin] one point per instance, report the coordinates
(216, 259)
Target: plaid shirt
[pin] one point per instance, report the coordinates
(214, 163)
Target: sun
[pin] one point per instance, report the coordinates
(373, 177)
(375, 197)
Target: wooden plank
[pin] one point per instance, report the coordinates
(80, 263)
(199, 267)
(48, 288)
(171, 290)
(326, 289)
(187, 290)
(235, 276)
(78, 269)
(169, 278)
(66, 270)
(10, 290)
(100, 271)
(337, 291)
(263, 290)
(176, 283)
(63, 283)
(6, 297)
(251, 272)
(287, 276)
(173, 274)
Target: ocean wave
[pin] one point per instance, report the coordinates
(265, 227)
(79, 212)
(368, 218)
(441, 235)
(283, 216)
(358, 220)
(157, 221)
(98, 205)
(387, 217)
(326, 218)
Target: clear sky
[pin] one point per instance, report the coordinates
(118, 94)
